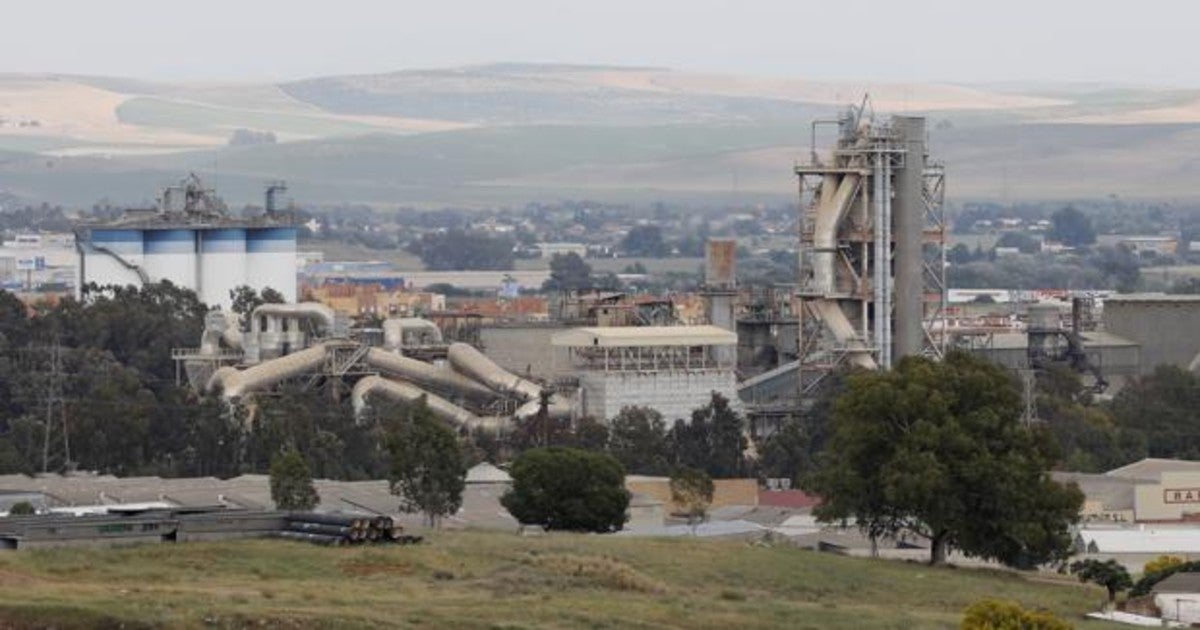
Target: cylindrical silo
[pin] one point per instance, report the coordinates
(111, 257)
(908, 224)
(271, 260)
(170, 254)
(222, 264)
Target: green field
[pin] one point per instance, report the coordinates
(493, 580)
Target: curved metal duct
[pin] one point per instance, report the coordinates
(406, 392)
(473, 363)
(427, 375)
(557, 409)
(395, 329)
(220, 327)
(303, 310)
(232, 382)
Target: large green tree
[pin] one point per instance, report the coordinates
(428, 466)
(1160, 409)
(714, 441)
(638, 439)
(938, 449)
(568, 489)
(568, 272)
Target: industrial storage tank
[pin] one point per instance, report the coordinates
(170, 254)
(190, 240)
(222, 263)
(271, 259)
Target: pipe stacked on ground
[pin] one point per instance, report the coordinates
(344, 529)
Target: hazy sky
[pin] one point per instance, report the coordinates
(1143, 42)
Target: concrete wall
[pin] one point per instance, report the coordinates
(1166, 328)
(673, 393)
(522, 350)
(725, 491)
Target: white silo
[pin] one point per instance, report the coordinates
(271, 260)
(222, 263)
(110, 257)
(170, 254)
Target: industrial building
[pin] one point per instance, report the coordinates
(1147, 491)
(192, 241)
(673, 369)
(1163, 326)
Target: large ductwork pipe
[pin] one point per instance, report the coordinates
(473, 363)
(399, 332)
(220, 327)
(231, 382)
(405, 392)
(312, 311)
(427, 375)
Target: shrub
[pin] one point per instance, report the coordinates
(291, 484)
(1161, 563)
(22, 508)
(994, 614)
(568, 489)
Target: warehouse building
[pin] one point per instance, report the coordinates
(673, 369)
(1147, 491)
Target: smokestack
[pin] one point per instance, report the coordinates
(908, 222)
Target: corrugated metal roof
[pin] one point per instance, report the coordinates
(1151, 297)
(635, 336)
(1183, 582)
(1142, 540)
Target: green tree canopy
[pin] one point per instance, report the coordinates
(291, 485)
(1108, 573)
(428, 466)
(938, 449)
(568, 489)
(714, 441)
(568, 272)
(644, 240)
(638, 439)
(1160, 410)
(692, 490)
(1072, 227)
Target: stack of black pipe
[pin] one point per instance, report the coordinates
(344, 529)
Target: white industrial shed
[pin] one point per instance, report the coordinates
(673, 369)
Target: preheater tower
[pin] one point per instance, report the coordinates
(872, 254)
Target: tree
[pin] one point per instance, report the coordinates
(22, 508)
(644, 240)
(714, 441)
(637, 438)
(1072, 227)
(994, 614)
(244, 299)
(568, 489)
(1025, 243)
(785, 454)
(938, 449)
(692, 490)
(456, 250)
(1160, 408)
(1110, 574)
(291, 485)
(428, 466)
(568, 272)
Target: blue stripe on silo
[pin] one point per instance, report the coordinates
(223, 241)
(118, 241)
(271, 240)
(170, 242)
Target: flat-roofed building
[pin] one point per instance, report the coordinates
(672, 369)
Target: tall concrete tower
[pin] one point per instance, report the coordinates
(871, 247)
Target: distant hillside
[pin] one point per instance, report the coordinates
(509, 133)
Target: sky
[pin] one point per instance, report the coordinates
(1149, 42)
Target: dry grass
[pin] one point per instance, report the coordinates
(491, 580)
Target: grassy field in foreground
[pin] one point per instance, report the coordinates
(491, 580)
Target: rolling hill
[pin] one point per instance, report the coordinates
(510, 133)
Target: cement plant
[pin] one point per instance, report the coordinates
(580, 344)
